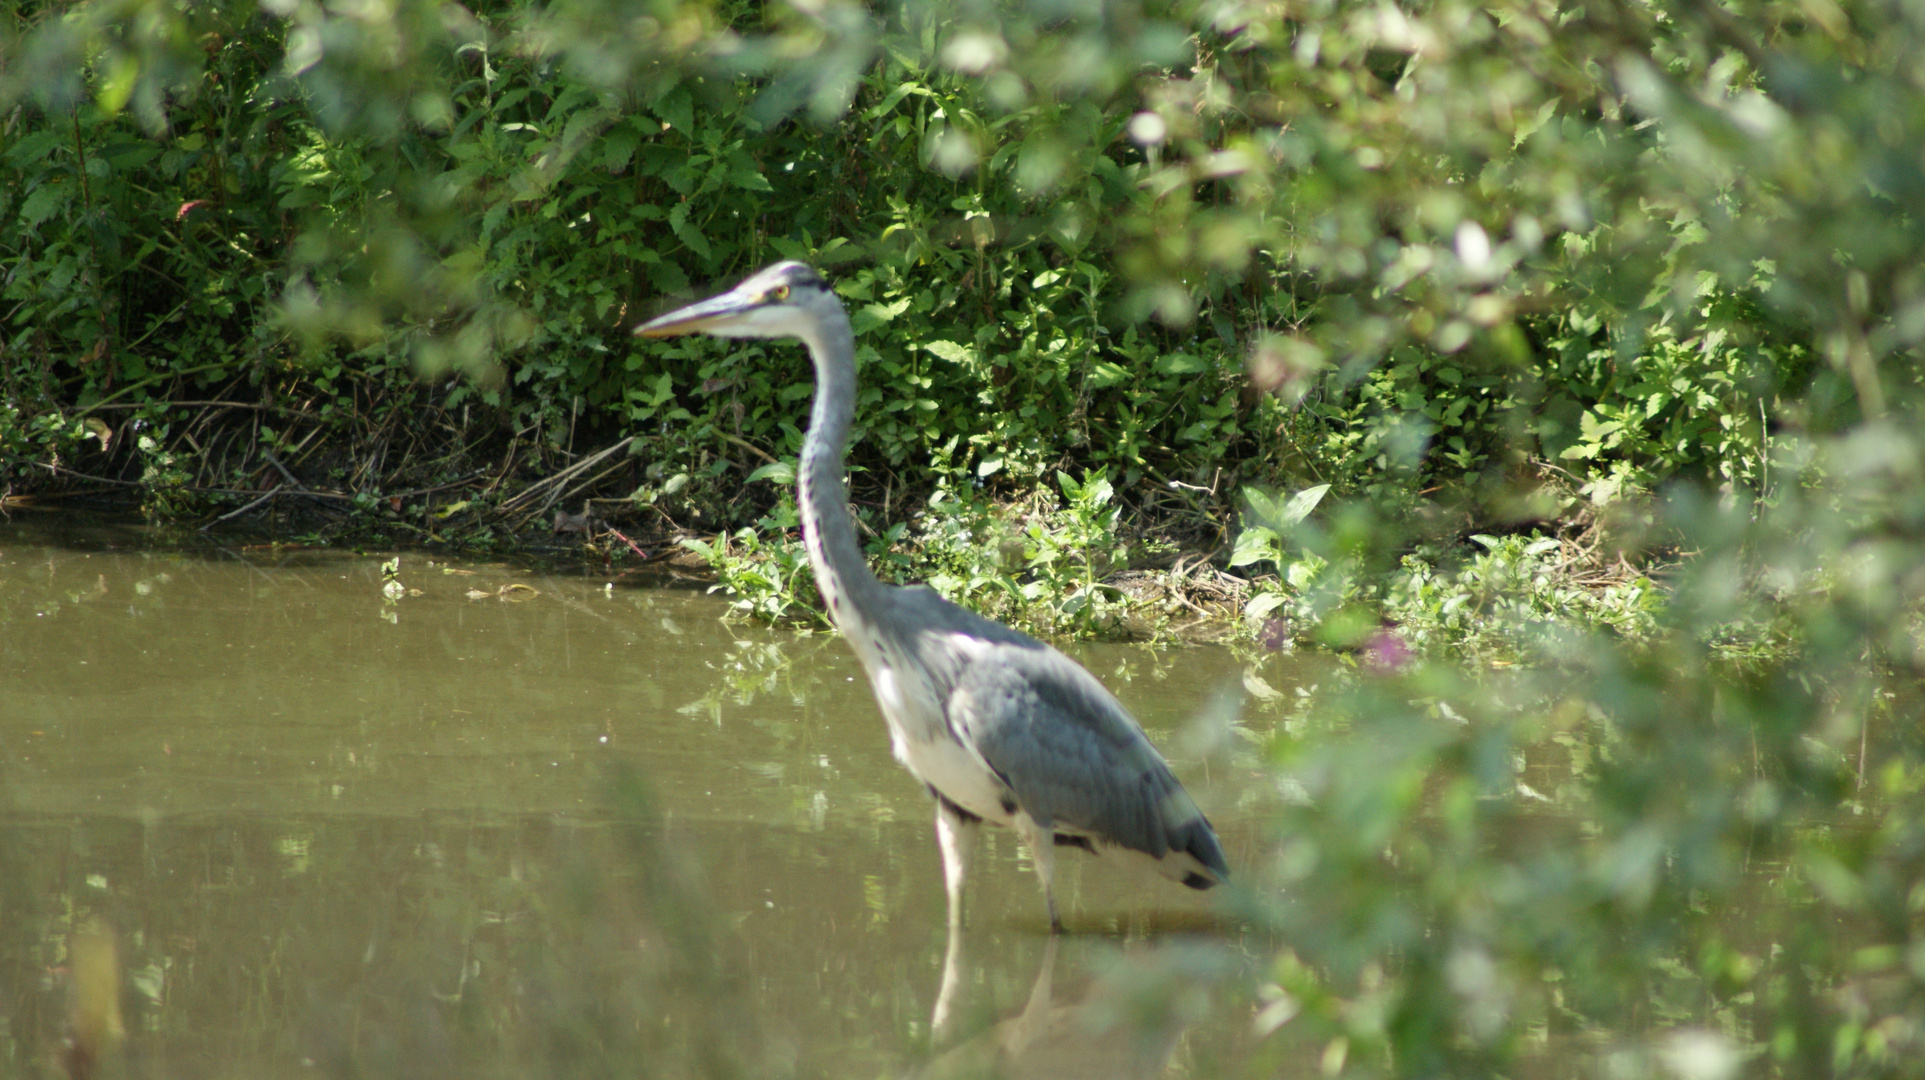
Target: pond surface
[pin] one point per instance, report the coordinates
(493, 822)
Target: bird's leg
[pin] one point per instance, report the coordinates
(956, 835)
(945, 1011)
(1042, 851)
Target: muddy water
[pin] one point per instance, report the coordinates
(305, 818)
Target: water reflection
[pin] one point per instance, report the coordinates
(494, 822)
(1109, 1028)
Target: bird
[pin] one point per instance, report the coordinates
(999, 726)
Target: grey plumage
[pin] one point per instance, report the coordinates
(998, 725)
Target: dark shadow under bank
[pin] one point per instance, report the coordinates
(92, 525)
(613, 534)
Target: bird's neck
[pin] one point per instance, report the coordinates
(828, 530)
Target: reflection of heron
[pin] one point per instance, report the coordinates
(999, 726)
(1090, 1035)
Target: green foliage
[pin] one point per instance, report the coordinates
(432, 195)
(771, 580)
(1040, 568)
(1515, 598)
(1045, 571)
(1509, 598)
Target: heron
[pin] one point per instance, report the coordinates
(997, 725)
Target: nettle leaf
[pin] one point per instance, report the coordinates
(46, 201)
(677, 111)
(34, 147)
(688, 234)
(1302, 574)
(950, 351)
(618, 146)
(743, 174)
(870, 316)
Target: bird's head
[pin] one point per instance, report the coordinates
(788, 299)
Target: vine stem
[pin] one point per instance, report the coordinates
(150, 380)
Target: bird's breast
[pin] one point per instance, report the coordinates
(960, 776)
(923, 742)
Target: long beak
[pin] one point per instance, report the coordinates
(699, 316)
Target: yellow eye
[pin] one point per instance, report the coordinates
(779, 293)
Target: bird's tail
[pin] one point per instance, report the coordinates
(1194, 858)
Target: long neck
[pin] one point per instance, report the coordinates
(828, 530)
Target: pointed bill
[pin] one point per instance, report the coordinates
(702, 315)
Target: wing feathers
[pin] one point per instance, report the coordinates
(1073, 758)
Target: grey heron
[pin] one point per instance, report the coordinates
(997, 725)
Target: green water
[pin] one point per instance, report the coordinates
(498, 822)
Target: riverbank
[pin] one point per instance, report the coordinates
(1086, 558)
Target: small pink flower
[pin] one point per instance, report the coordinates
(1386, 651)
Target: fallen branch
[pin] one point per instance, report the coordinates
(242, 510)
(632, 545)
(63, 470)
(521, 498)
(282, 469)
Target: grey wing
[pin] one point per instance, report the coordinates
(1072, 757)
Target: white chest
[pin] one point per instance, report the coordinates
(923, 743)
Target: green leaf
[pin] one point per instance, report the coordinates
(1179, 364)
(1529, 126)
(1262, 506)
(870, 316)
(1301, 574)
(1303, 502)
(618, 146)
(1277, 515)
(33, 147)
(677, 111)
(1255, 544)
(743, 174)
(950, 351)
(1262, 604)
(782, 472)
(46, 201)
(686, 233)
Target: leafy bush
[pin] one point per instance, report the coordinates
(995, 229)
(1043, 572)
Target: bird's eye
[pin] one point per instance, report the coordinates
(779, 293)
